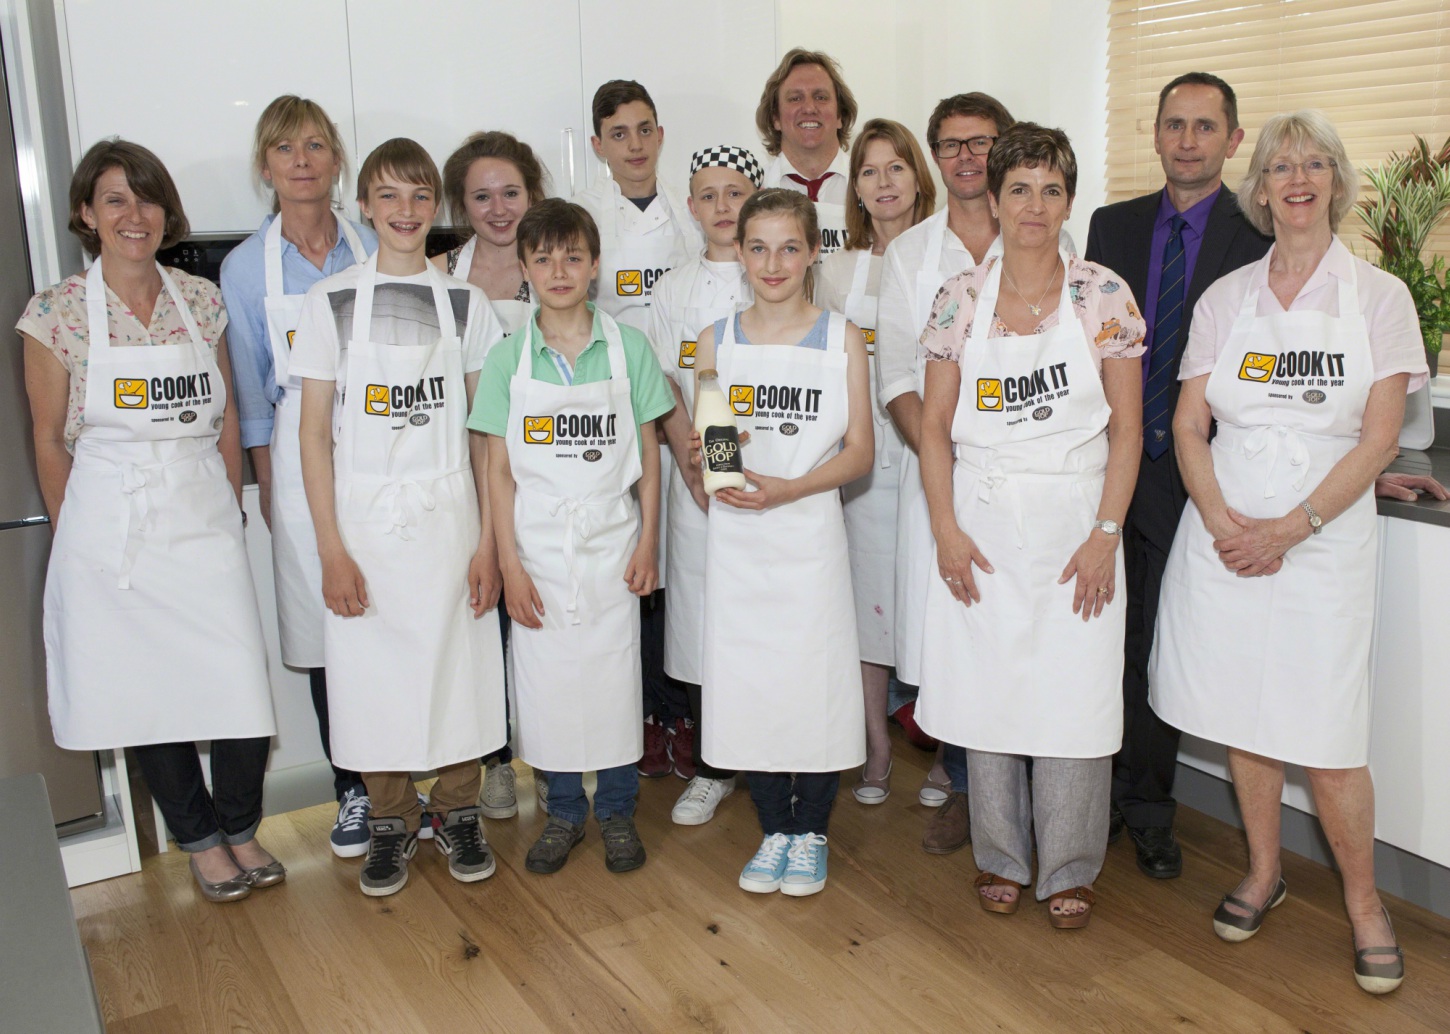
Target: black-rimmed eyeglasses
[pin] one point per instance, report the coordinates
(978, 145)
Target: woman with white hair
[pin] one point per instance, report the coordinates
(1304, 360)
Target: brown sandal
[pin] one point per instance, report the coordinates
(1076, 920)
(1006, 908)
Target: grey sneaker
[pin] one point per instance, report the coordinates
(499, 801)
(623, 849)
(390, 848)
(460, 837)
(551, 850)
(541, 790)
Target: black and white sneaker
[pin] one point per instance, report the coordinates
(389, 850)
(460, 837)
(350, 835)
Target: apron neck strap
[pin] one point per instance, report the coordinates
(272, 250)
(98, 326)
(362, 310)
(862, 274)
(1348, 288)
(935, 242)
(618, 369)
(835, 332)
(987, 294)
(464, 266)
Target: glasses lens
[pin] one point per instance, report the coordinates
(980, 145)
(947, 148)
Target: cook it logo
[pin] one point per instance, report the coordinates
(742, 399)
(539, 430)
(629, 283)
(377, 401)
(687, 355)
(1257, 367)
(869, 333)
(131, 394)
(989, 395)
(290, 335)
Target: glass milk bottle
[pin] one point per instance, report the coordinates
(719, 439)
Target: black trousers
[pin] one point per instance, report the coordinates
(702, 767)
(814, 794)
(664, 697)
(1144, 769)
(343, 779)
(197, 819)
(504, 754)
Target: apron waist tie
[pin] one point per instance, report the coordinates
(992, 477)
(576, 523)
(406, 502)
(1285, 443)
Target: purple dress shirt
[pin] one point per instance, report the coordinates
(1197, 218)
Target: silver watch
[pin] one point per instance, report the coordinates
(1110, 527)
(1316, 523)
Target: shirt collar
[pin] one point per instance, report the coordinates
(287, 245)
(1338, 262)
(840, 165)
(596, 332)
(1197, 214)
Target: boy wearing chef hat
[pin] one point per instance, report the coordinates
(711, 285)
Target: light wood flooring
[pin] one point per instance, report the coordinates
(896, 942)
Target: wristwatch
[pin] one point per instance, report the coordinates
(1108, 527)
(1316, 523)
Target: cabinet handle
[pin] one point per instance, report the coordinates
(566, 156)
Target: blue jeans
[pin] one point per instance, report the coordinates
(614, 796)
(793, 804)
(954, 760)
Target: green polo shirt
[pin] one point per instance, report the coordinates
(649, 392)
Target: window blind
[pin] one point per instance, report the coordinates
(1380, 69)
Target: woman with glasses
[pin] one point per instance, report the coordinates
(1304, 360)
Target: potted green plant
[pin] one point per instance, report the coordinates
(1413, 197)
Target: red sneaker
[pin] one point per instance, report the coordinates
(656, 759)
(682, 748)
(905, 716)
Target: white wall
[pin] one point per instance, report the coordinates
(1045, 59)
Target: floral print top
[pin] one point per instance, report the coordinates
(1100, 299)
(56, 317)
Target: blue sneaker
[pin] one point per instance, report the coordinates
(765, 870)
(805, 868)
(350, 831)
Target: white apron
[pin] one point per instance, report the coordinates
(915, 567)
(1277, 665)
(1020, 673)
(296, 570)
(782, 680)
(831, 218)
(575, 456)
(629, 263)
(152, 633)
(870, 501)
(511, 312)
(415, 681)
(685, 610)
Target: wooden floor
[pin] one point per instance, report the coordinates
(896, 942)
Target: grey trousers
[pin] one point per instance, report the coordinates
(1067, 800)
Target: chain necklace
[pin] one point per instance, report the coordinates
(1036, 310)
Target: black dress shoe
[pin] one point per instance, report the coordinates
(1117, 825)
(1159, 855)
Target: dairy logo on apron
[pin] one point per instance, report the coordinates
(633, 283)
(1305, 369)
(1025, 392)
(161, 394)
(410, 400)
(687, 354)
(776, 402)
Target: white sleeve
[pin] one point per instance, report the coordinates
(314, 344)
(483, 330)
(896, 332)
(658, 327)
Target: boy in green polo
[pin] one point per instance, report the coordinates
(569, 399)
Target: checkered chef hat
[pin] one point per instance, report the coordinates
(727, 156)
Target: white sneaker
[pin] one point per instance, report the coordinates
(702, 796)
(498, 801)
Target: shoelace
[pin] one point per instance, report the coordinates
(803, 854)
(698, 791)
(502, 786)
(556, 834)
(354, 812)
(467, 837)
(768, 857)
(385, 852)
(617, 834)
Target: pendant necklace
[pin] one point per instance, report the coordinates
(1036, 310)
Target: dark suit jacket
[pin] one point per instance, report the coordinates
(1120, 237)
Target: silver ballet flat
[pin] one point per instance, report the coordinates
(271, 874)
(233, 889)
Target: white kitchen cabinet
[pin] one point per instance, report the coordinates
(188, 80)
(486, 65)
(704, 65)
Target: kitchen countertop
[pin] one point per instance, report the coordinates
(1435, 462)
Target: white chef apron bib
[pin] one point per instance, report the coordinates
(782, 680)
(915, 568)
(1019, 672)
(1277, 665)
(152, 633)
(296, 570)
(629, 264)
(685, 610)
(575, 455)
(415, 681)
(870, 501)
(512, 313)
